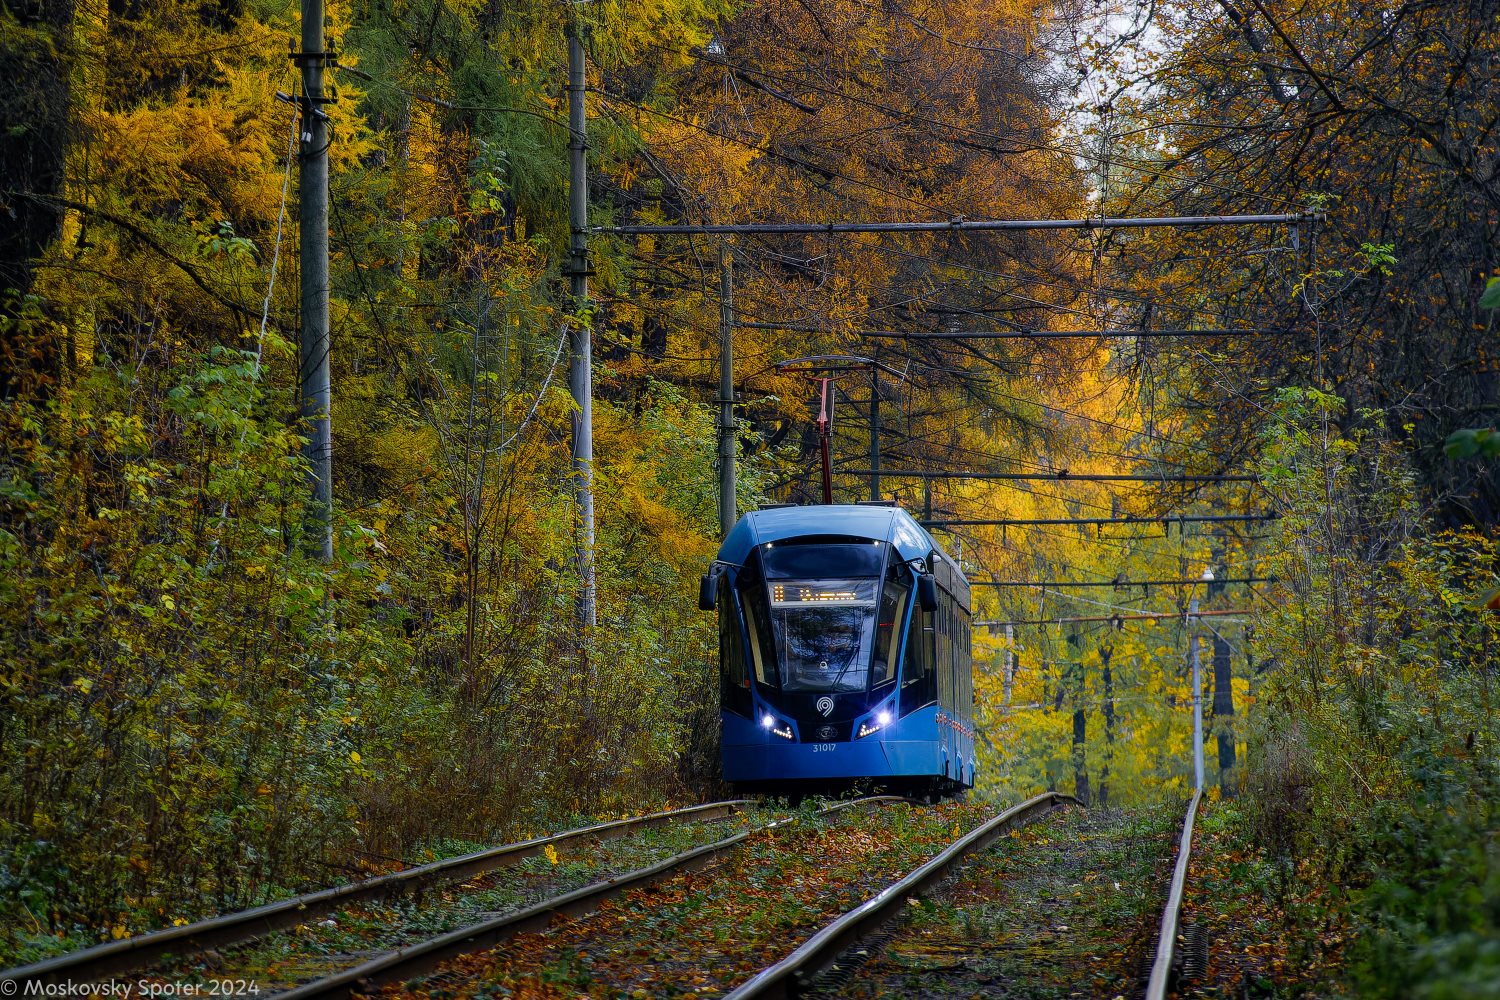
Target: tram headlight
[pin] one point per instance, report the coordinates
(875, 723)
(771, 724)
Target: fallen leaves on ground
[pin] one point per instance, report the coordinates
(707, 931)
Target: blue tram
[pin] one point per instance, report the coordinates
(844, 651)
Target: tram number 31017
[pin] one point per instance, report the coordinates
(824, 747)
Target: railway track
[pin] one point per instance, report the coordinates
(1168, 953)
(831, 958)
(800, 971)
(1078, 912)
(96, 964)
(693, 935)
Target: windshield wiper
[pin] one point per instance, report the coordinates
(853, 655)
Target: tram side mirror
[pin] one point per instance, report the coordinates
(927, 592)
(706, 593)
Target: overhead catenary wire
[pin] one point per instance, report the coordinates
(1089, 222)
(980, 134)
(873, 247)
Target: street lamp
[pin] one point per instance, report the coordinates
(1208, 576)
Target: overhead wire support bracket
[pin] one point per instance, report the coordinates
(1057, 334)
(1071, 584)
(985, 623)
(957, 225)
(1060, 475)
(1037, 521)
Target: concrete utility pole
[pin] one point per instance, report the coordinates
(312, 204)
(1208, 576)
(580, 337)
(728, 509)
(1009, 675)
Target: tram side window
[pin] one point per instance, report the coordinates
(945, 654)
(758, 626)
(965, 672)
(917, 673)
(733, 671)
(888, 629)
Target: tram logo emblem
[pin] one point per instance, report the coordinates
(825, 706)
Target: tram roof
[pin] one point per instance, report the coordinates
(876, 522)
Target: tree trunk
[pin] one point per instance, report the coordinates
(1080, 743)
(1223, 707)
(1108, 679)
(33, 150)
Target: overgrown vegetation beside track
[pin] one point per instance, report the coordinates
(198, 723)
(1374, 785)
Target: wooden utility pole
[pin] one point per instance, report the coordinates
(728, 508)
(580, 337)
(312, 203)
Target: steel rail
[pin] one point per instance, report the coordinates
(794, 974)
(96, 963)
(417, 960)
(1166, 942)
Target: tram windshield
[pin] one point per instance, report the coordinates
(824, 632)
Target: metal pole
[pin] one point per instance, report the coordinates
(1010, 662)
(312, 208)
(728, 509)
(580, 337)
(1197, 696)
(958, 225)
(874, 433)
(825, 433)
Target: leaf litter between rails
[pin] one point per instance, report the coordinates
(358, 933)
(1068, 907)
(706, 931)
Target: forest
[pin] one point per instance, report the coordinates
(1287, 426)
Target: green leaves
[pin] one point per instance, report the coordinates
(1482, 442)
(1491, 297)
